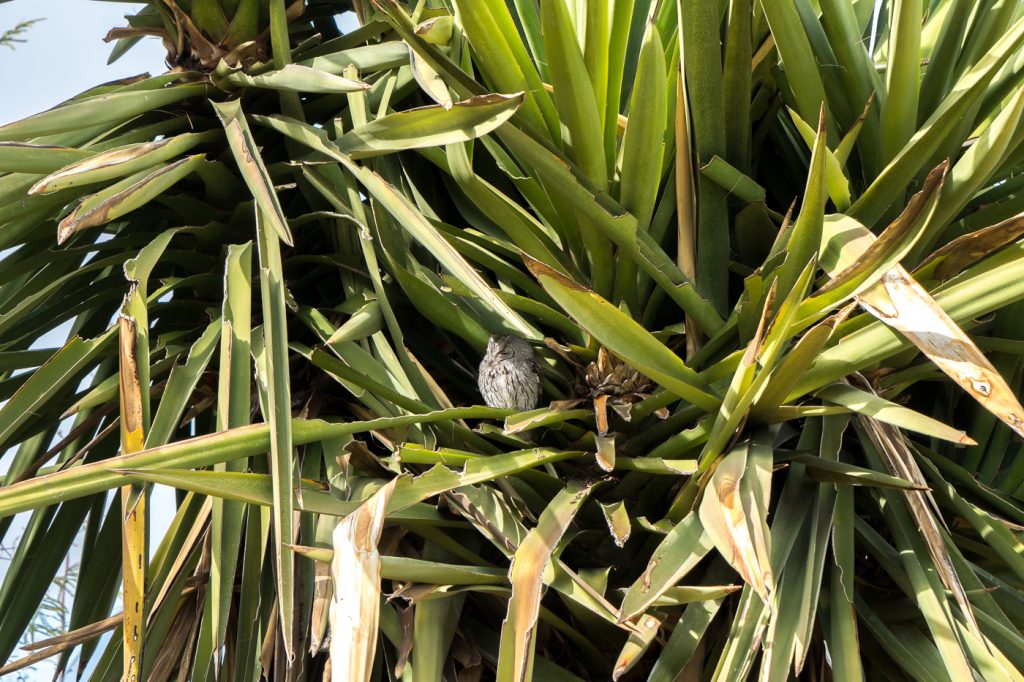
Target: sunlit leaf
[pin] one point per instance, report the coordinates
(734, 515)
(528, 564)
(355, 573)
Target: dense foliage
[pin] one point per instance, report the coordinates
(768, 255)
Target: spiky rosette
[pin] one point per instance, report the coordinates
(306, 237)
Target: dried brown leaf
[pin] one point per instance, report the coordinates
(969, 248)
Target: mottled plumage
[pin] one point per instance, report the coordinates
(508, 374)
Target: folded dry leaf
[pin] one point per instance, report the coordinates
(734, 516)
(355, 572)
(898, 300)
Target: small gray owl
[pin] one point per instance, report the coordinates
(508, 374)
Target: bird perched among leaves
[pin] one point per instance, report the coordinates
(509, 376)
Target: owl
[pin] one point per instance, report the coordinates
(509, 376)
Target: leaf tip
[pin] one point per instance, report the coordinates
(65, 229)
(540, 270)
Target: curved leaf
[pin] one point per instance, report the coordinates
(429, 126)
(623, 336)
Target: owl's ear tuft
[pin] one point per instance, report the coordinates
(492, 343)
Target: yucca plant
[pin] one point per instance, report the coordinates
(768, 255)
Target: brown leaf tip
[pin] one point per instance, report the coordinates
(540, 270)
(491, 98)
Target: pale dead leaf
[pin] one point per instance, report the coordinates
(734, 516)
(321, 606)
(515, 654)
(898, 300)
(355, 573)
(903, 304)
(605, 452)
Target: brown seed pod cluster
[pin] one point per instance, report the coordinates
(610, 382)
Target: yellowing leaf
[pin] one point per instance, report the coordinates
(518, 631)
(637, 644)
(133, 506)
(436, 31)
(903, 304)
(618, 520)
(898, 300)
(432, 84)
(734, 510)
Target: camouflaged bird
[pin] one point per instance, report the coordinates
(509, 376)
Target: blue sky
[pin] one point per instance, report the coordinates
(65, 54)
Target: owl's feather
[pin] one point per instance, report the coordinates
(508, 374)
